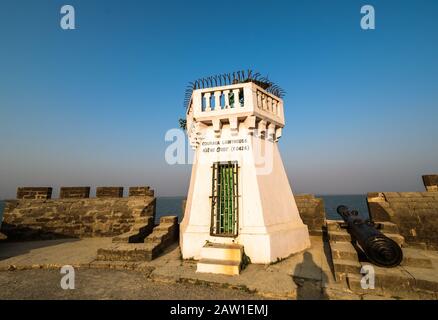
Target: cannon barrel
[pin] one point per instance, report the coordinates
(378, 248)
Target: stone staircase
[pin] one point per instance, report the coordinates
(161, 237)
(338, 234)
(220, 258)
(138, 232)
(415, 274)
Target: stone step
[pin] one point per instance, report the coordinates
(341, 235)
(343, 250)
(227, 252)
(218, 267)
(346, 266)
(128, 252)
(165, 227)
(425, 279)
(142, 243)
(156, 236)
(137, 234)
(169, 219)
(344, 236)
(386, 226)
(334, 225)
(405, 282)
(415, 258)
(126, 237)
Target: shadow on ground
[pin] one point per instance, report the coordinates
(9, 249)
(308, 288)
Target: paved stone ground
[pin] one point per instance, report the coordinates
(106, 284)
(286, 279)
(306, 275)
(50, 252)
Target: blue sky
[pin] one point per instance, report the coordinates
(91, 106)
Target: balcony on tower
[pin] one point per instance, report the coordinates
(232, 104)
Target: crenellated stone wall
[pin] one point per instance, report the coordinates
(76, 216)
(312, 212)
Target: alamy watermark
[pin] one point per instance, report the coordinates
(368, 277)
(254, 149)
(368, 21)
(68, 281)
(68, 20)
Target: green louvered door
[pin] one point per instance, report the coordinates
(224, 204)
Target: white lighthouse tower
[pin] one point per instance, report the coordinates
(240, 199)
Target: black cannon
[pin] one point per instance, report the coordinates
(378, 248)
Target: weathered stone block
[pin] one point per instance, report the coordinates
(141, 192)
(74, 192)
(431, 182)
(109, 192)
(378, 212)
(34, 193)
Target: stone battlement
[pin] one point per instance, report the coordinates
(34, 193)
(431, 182)
(41, 193)
(415, 213)
(34, 215)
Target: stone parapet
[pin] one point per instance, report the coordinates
(25, 219)
(415, 214)
(312, 212)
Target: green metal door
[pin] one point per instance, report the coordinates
(224, 199)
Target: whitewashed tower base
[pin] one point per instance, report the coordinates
(252, 205)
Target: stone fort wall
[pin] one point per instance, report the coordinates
(415, 213)
(35, 215)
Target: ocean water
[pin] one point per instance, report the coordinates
(173, 205)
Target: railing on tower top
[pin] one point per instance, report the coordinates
(242, 97)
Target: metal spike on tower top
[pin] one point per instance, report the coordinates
(233, 78)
